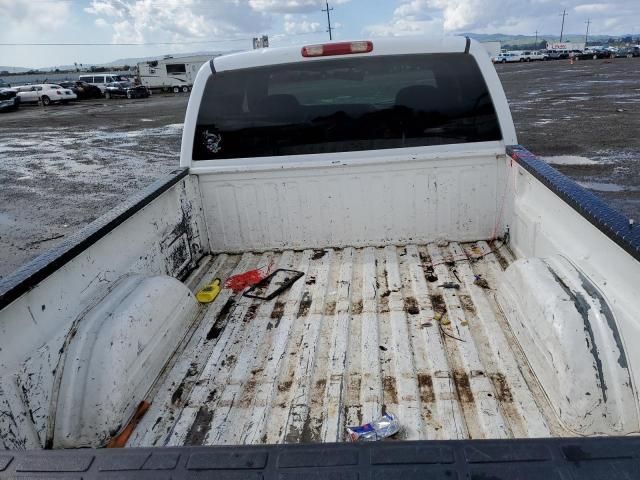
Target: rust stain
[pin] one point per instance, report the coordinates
(463, 387)
(356, 308)
(439, 306)
(200, 427)
(311, 430)
(330, 309)
(221, 320)
(411, 306)
(383, 304)
(285, 386)
(318, 254)
(278, 310)
(230, 361)
(503, 392)
(251, 313)
(305, 305)
(321, 384)
(390, 390)
(249, 394)
(425, 387)
(467, 304)
(176, 397)
(501, 259)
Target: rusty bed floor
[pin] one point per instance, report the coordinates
(364, 331)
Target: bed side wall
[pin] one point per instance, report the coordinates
(165, 237)
(579, 228)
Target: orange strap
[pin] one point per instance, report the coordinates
(120, 440)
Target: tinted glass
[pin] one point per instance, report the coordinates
(341, 105)
(176, 68)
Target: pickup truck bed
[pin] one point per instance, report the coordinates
(365, 330)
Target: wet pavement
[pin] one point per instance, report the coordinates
(584, 119)
(63, 166)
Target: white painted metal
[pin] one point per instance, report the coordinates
(358, 333)
(113, 355)
(543, 225)
(572, 342)
(33, 328)
(453, 197)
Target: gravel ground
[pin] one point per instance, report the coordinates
(63, 166)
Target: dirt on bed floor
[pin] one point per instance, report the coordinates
(65, 165)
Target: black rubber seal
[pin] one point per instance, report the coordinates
(29, 275)
(468, 45)
(608, 220)
(213, 67)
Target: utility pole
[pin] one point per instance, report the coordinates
(536, 40)
(564, 14)
(328, 10)
(586, 37)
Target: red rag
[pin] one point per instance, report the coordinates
(241, 281)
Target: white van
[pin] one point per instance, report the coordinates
(101, 79)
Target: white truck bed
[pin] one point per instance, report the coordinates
(357, 335)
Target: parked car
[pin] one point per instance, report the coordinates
(125, 89)
(631, 51)
(101, 80)
(533, 55)
(593, 53)
(9, 100)
(508, 57)
(558, 54)
(47, 92)
(82, 89)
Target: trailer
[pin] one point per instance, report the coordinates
(171, 73)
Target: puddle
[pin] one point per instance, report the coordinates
(602, 187)
(569, 160)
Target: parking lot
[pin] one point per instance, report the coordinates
(63, 166)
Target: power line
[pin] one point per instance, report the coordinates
(328, 10)
(141, 44)
(82, 44)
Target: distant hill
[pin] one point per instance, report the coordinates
(528, 39)
(13, 69)
(135, 60)
(119, 62)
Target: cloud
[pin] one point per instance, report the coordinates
(149, 20)
(412, 17)
(25, 14)
(592, 8)
(499, 16)
(291, 6)
(296, 24)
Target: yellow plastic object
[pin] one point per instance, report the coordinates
(209, 293)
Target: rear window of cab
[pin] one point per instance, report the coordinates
(346, 104)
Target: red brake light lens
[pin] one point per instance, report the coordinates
(343, 48)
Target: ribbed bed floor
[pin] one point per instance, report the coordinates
(366, 330)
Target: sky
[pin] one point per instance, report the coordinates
(220, 25)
